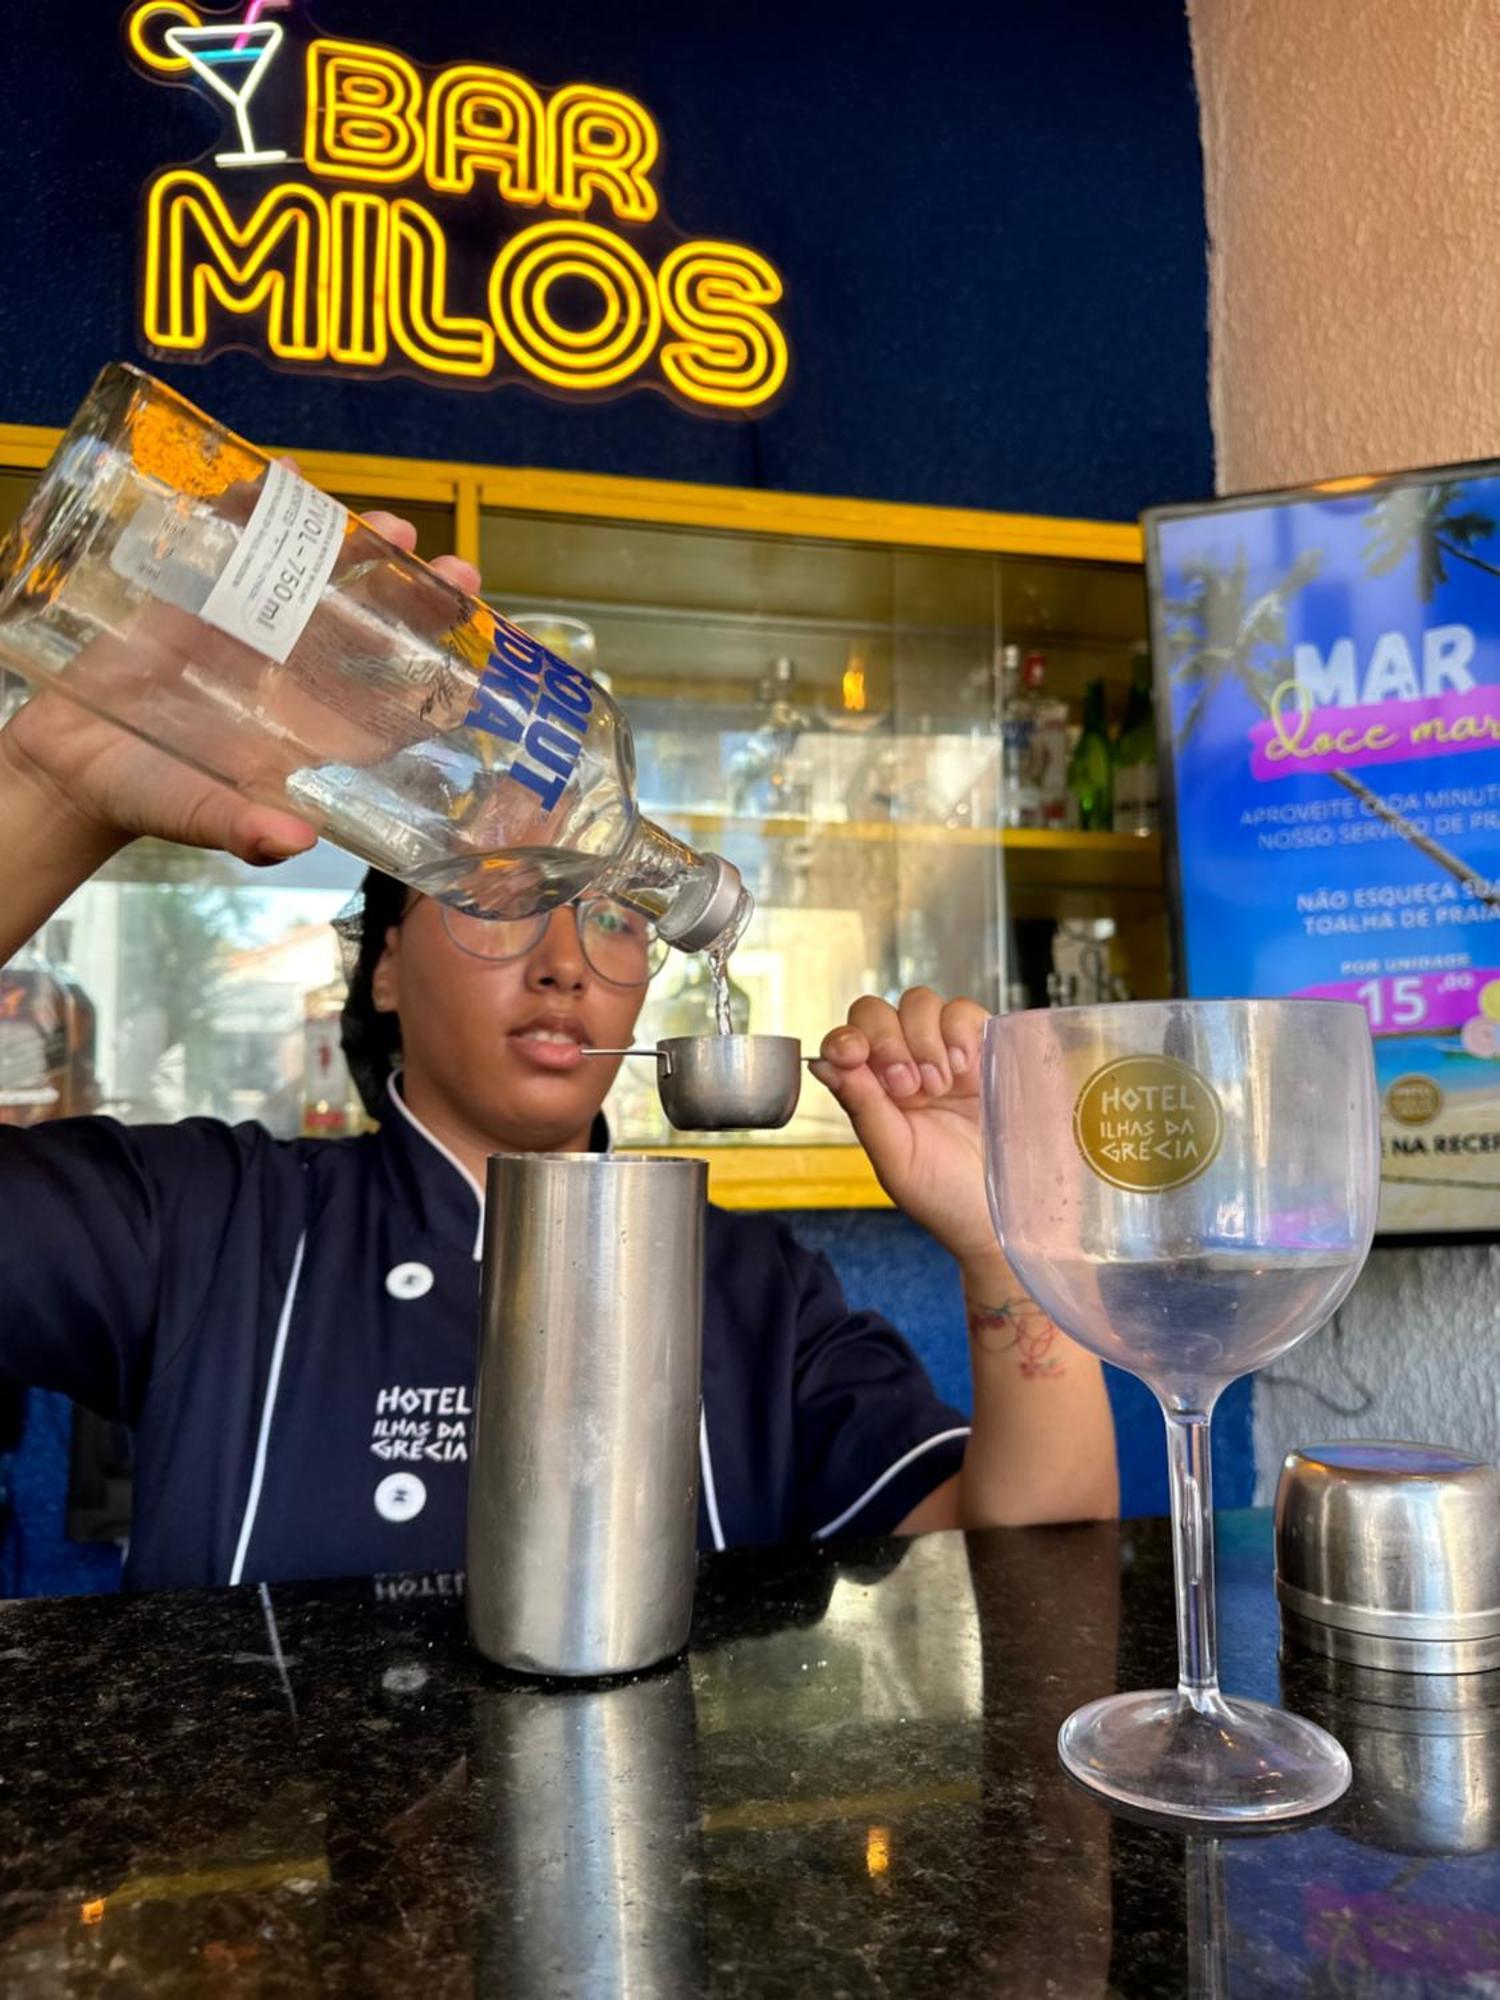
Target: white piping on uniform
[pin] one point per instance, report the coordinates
(452, 1158)
(959, 1431)
(710, 1494)
(273, 1382)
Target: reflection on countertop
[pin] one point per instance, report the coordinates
(849, 1785)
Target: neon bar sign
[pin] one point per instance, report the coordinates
(375, 249)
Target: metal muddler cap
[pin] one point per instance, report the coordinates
(1388, 1556)
(694, 922)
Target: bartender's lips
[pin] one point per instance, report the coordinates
(552, 1041)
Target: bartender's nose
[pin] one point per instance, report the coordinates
(557, 963)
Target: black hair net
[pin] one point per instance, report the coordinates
(371, 1040)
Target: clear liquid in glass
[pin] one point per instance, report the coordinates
(1190, 1324)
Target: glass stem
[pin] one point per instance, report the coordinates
(1188, 1468)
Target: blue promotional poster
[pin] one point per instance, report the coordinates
(1328, 673)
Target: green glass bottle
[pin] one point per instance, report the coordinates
(1091, 768)
(1136, 809)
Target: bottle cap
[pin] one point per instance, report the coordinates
(1035, 670)
(695, 921)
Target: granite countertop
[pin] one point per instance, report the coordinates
(849, 1786)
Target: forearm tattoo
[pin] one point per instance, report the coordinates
(1018, 1327)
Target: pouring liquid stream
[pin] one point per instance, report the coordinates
(718, 966)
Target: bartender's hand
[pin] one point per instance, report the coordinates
(100, 787)
(908, 1077)
(1042, 1443)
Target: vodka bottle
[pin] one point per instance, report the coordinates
(170, 577)
(1136, 800)
(1020, 798)
(1034, 744)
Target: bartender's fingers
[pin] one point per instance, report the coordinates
(261, 835)
(396, 530)
(873, 1039)
(921, 1017)
(879, 1119)
(404, 535)
(889, 1057)
(963, 1034)
(454, 570)
(205, 813)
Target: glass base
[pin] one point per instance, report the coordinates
(1213, 1758)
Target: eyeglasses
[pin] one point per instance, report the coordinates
(619, 945)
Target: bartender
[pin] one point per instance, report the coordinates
(290, 1328)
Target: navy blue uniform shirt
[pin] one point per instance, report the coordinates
(290, 1329)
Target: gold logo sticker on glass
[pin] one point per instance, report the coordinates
(1148, 1123)
(1413, 1100)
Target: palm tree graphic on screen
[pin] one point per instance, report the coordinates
(1427, 522)
(1218, 635)
(232, 58)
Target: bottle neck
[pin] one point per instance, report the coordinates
(697, 901)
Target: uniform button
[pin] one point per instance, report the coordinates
(408, 1281)
(400, 1496)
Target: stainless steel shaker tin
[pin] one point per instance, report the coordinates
(1388, 1556)
(583, 1486)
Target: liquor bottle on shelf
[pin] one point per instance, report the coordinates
(83, 1021)
(35, 1022)
(1091, 769)
(330, 1103)
(1020, 802)
(1049, 741)
(1033, 742)
(1136, 808)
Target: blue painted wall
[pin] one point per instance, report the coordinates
(989, 220)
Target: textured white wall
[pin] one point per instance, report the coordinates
(1414, 1354)
(1352, 183)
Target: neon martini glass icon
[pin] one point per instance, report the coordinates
(232, 58)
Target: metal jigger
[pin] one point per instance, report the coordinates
(725, 1083)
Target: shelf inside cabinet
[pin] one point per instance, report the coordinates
(1037, 856)
(1034, 855)
(771, 1176)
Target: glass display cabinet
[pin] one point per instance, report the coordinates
(818, 690)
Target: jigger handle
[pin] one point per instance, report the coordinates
(659, 1056)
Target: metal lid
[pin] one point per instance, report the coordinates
(692, 923)
(1388, 1555)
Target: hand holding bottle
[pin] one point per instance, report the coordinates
(103, 786)
(296, 655)
(75, 789)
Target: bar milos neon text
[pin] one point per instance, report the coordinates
(364, 275)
